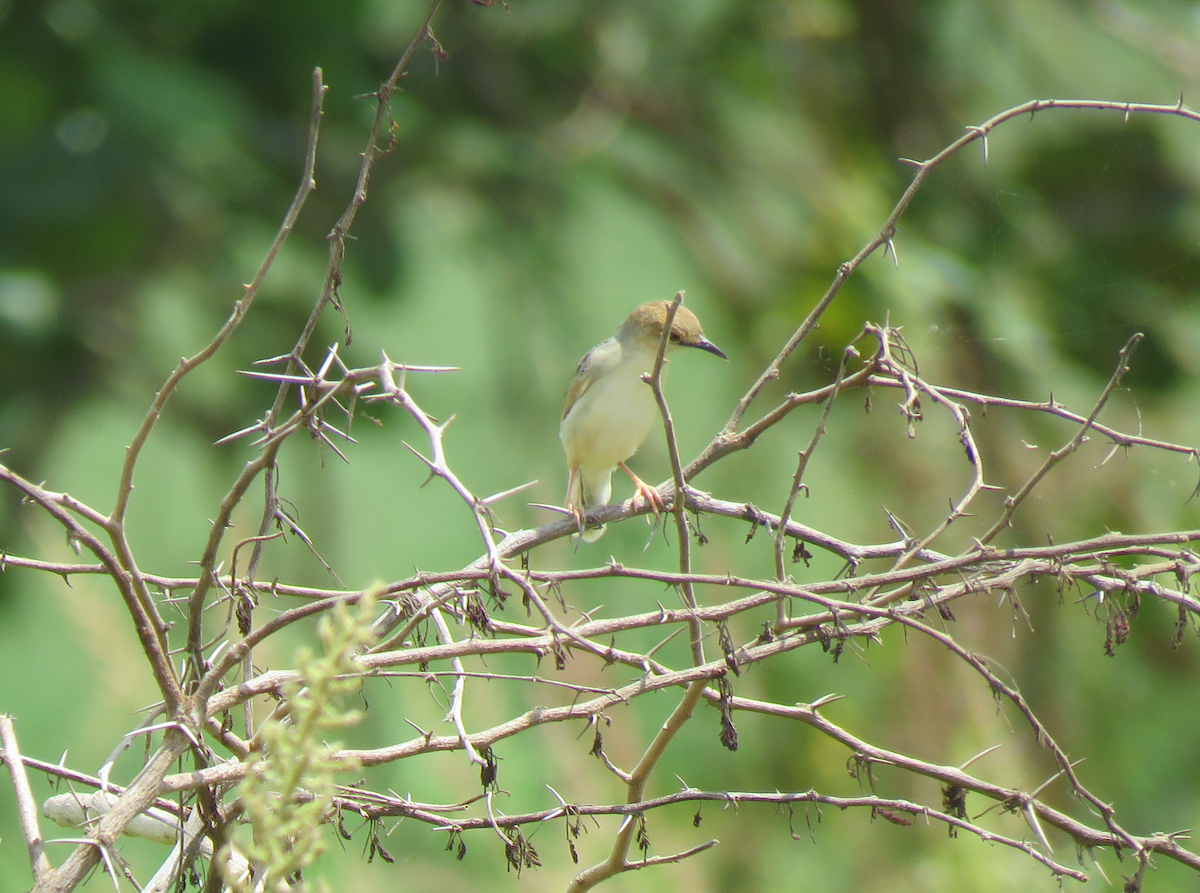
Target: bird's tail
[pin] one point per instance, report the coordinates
(592, 532)
(588, 491)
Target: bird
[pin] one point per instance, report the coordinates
(610, 407)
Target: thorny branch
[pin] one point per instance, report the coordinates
(907, 583)
(26, 806)
(1091, 562)
(679, 506)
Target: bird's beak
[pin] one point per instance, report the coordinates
(704, 344)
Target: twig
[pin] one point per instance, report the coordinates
(27, 812)
(798, 478)
(454, 714)
(240, 308)
(618, 860)
(137, 797)
(679, 503)
(1013, 502)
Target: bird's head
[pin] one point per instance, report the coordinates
(645, 325)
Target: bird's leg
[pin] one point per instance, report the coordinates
(575, 506)
(645, 491)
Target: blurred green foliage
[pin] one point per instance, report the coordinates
(565, 162)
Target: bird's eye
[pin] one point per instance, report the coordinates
(675, 336)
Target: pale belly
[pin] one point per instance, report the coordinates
(609, 422)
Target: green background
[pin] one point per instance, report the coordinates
(567, 161)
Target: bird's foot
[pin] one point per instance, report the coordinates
(653, 501)
(645, 492)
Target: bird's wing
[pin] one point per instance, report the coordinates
(600, 354)
(579, 384)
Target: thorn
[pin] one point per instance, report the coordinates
(979, 756)
(417, 453)
(325, 426)
(551, 508)
(329, 443)
(277, 376)
(279, 359)
(329, 357)
(506, 493)
(236, 434)
(1031, 817)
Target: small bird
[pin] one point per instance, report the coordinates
(610, 409)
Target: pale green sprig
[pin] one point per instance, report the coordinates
(289, 784)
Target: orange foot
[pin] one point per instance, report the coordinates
(645, 491)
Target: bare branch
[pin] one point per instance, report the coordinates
(1011, 504)
(679, 507)
(26, 806)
